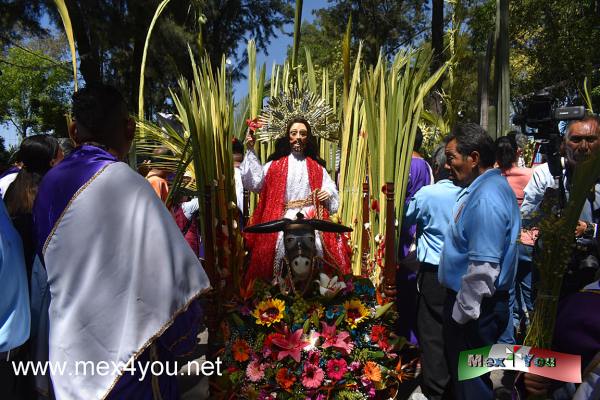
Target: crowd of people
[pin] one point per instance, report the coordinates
(94, 266)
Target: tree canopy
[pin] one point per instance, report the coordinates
(553, 42)
(110, 37)
(380, 24)
(35, 88)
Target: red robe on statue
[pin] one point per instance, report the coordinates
(271, 206)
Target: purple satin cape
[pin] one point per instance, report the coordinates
(61, 183)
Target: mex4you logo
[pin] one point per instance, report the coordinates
(551, 364)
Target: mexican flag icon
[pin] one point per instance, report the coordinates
(551, 364)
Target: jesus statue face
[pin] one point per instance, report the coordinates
(298, 136)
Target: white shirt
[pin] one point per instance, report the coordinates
(542, 179)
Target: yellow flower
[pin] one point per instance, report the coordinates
(355, 313)
(269, 311)
(315, 308)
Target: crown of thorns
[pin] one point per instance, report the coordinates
(295, 104)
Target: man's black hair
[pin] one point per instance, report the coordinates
(97, 109)
(506, 152)
(237, 146)
(418, 140)
(471, 137)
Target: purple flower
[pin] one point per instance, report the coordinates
(354, 366)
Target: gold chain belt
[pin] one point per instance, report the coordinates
(299, 203)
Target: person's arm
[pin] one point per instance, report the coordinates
(333, 201)
(252, 172)
(411, 211)
(486, 248)
(533, 194)
(477, 283)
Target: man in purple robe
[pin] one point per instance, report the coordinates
(124, 284)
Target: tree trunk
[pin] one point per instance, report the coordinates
(437, 35)
(89, 55)
(23, 131)
(483, 84)
(502, 70)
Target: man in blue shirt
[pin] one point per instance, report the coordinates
(479, 257)
(431, 210)
(14, 305)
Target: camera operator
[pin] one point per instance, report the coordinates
(582, 139)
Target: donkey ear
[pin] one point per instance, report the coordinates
(268, 227)
(327, 226)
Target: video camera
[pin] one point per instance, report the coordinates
(540, 111)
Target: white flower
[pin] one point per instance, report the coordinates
(367, 225)
(313, 337)
(328, 287)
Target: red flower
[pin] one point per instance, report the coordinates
(285, 378)
(379, 336)
(268, 348)
(375, 205)
(254, 124)
(337, 368)
(377, 333)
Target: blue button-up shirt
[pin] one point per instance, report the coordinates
(431, 210)
(485, 228)
(14, 294)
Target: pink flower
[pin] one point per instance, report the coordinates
(337, 368)
(341, 341)
(328, 332)
(291, 345)
(314, 357)
(312, 376)
(255, 371)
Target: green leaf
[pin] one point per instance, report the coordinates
(379, 311)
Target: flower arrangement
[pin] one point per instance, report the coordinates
(336, 342)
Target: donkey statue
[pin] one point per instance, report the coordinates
(300, 260)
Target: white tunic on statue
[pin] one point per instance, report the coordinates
(297, 188)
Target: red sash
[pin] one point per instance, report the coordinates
(271, 206)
